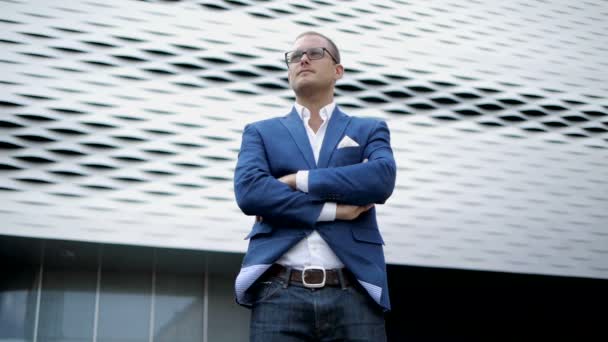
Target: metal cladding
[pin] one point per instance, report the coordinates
(120, 121)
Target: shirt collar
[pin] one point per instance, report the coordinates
(325, 112)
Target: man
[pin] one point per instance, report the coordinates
(315, 269)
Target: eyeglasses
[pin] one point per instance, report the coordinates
(295, 56)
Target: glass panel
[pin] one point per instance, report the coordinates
(228, 321)
(67, 306)
(67, 302)
(18, 293)
(178, 308)
(125, 295)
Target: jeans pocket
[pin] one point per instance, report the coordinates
(264, 290)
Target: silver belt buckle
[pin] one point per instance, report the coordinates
(313, 285)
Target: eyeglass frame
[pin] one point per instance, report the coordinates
(305, 51)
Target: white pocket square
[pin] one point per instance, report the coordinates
(347, 142)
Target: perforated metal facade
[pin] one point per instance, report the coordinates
(121, 121)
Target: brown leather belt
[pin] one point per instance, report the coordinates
(312, 277)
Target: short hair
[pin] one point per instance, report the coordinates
(332, 46)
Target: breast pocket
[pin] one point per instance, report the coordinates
(347, 156)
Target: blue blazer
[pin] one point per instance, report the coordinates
(276, 147)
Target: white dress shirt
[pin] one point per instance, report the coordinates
(313, 250)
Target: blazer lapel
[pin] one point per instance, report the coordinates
(293, 123)
(335, 128)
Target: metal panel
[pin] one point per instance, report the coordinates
(120, 122)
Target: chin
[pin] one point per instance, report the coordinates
(302, 86)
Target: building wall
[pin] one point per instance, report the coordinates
(121, 120)
(54, 290)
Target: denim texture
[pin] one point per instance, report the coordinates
(295, 313)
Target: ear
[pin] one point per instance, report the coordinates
(339, 72)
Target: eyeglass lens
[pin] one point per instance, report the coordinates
(312, 53)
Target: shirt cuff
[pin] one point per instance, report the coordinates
(302, 181)
(328, 213)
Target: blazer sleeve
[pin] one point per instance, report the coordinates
(363, 183)
(258, 192)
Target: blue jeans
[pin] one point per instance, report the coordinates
(296, 313)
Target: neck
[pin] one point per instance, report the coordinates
(315, 103)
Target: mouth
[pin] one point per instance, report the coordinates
(303, 71)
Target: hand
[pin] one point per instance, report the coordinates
(289, 180)
(350, 212)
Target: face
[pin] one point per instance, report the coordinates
(313, 75)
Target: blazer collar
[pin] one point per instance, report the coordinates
(293, 123)
(335, 127)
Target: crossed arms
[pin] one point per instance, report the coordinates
(354, 187)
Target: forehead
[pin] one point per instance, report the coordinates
(309, 41)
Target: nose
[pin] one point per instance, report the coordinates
(302, 58)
